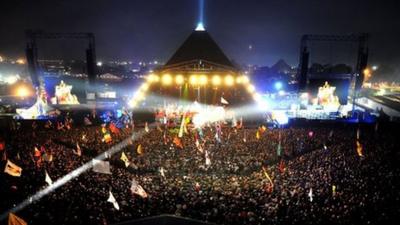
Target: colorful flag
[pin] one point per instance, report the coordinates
(258, 134)
(125, 159)
(137, 189)
(224, 101)
(359, 149)
(107, 138)
(47, 178)
(310, 195)
(15, 220)
(146, 127)
(100, 166)
(177, 141)
(12, 169)
(139, 149)
(208, 160)
(267, 176)
(113, 201)
(114, 129)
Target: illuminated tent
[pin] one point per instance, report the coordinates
(198, 71)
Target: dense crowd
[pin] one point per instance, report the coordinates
(255, 175)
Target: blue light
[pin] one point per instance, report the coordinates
(200, 27)
(278, 85)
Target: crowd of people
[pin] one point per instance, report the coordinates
(246, 175)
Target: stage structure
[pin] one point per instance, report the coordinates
(198, 72)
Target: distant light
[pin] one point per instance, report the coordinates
(281, 92)
(278, 85)
(22, 91)
(166, 79)
(250, 88)
(280, 117)
(179, 79)
(99, 63)
(193, 80)
(144, 87)
(200, 27)
(229, 80)
(367, 72)
(20, 61)
(374, 68)
(11, 79)
(153, 78)
(216, 80)
(203, 80)
(245, 79)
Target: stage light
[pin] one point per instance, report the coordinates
(166, 79)
(194, 80)
(20, 61)
(245, 79)
(153, 78)
(22, 91)
(229, 80)
(203, 80)
(281, 92)
(179, 79)
(280, 117)
(250, 88)
(256, 97)
(278, 85)
(216, 80)
(99, 63)
(132, 103)
(144, 87)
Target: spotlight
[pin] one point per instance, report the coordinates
(245, 79)
(229, 80)
(256, 97)
(278, 85)
(250, 88)
(144, 87)
(166, 79)
(193, 80)
(203, 80)
(179, 79)
(216, 80)
(22, 91)
(153, 78)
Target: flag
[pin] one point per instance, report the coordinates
(267, 176)
(165, 138)
(358, 133)
(333, 190)
(240, 124)
(281, 166)
(100, 166)
(12, 169)
(359, 149)
(15, 220)
(208, 160)
(37, 153)
(2, 145)
(146, 127)
(137, 189)
(112, 200)
(224, 101)
(78, 151)
(48, 179)
(107, 138)
(180, 134)
(263, 129)
(279, 149)
(139, 149)
(258, 134)
(310, 195)
(125, 159)
(177, 141)
(114, 129)
(162, 172)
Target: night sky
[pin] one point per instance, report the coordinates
(153, 29)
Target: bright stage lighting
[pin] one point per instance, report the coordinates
(153, 78)
(257, 97)
(144, 87)
(280, 117)
(250, 88)
(194, 80)
(216, 80)
(166, 79)
(278, 85)
(245, 79)
(22, 91)
(203, 80)
(179, 79)
(229, 80)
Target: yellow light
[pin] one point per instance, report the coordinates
(153, 78)
(367, 72)
(22, 91)
(229, 80)
(139, 96)
(216, 80)
(250, 88)
(203, 80)
(144, 87)
(20, 61)
(245, 79)
(193, 79)
(132, 103)
(179, 79)
(166, 79)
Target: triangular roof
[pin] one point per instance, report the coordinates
(199, 46)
